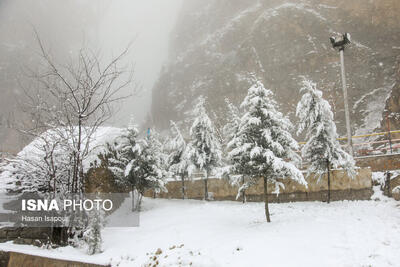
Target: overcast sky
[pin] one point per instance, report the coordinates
(108, 25)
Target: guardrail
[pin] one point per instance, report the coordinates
(388, 146)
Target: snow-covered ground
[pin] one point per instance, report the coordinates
(198, 233)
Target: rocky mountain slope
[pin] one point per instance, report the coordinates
(392, 109)
(217, 43)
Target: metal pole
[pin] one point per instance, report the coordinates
(389, 133)
(346, 104)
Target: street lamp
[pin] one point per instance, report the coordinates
(340, 44)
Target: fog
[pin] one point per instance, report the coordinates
(149, 24)
(105, 25)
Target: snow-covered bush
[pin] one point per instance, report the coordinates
(42, 166)
(92, 233)
(204, 148)
(263, 148)
(322, 149)
(378, 178)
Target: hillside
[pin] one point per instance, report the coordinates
(217, 43)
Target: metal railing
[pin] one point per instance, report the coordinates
(376, 147)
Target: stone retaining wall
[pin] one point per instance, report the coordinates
(15, 259)
(342, 187)
(4, 258)
(395, 181)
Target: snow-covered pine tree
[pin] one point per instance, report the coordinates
(204, 148)
(138, 164)
(179, 163)
(264, 148)
(154, 162)
(231, 130)
(120, 156)
(233, 121)
(322, 149)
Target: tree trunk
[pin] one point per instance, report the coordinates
(266, 199)
(134, 204)
(387, 184)
(329, 181)
(206, 187)
(74, 173)
(183, 186)
(140, 201)
(136, 200)
(243, 192)
(77, 172)
(78, 149)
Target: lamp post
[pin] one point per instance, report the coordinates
(340, 45)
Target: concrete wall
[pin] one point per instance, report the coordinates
(14, 259)
(380, 162)
(342, 187)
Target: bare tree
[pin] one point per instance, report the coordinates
(73, 100)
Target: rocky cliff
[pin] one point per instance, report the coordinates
(391, 119)
(217, 43)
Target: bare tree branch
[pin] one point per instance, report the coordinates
(72, 101)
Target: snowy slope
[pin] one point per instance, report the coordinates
(345, 233)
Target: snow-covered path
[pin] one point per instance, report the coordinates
(347, 233)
